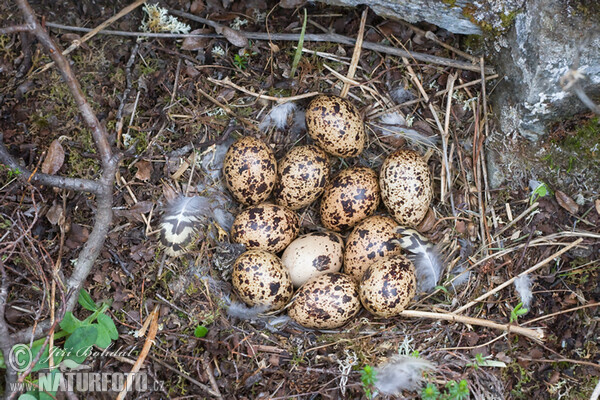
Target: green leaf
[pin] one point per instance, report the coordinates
(27, 396)
(103, 338)
(200, 331)
(70, 323)
(298, 53)
(79, 344)
(44, 360)
(69, 364)
(86, 301)
(108, 324)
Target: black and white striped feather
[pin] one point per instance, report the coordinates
(422, 252)
(180, 223)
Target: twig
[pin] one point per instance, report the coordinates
(543, 317)
(187, 377)
(143, 354)
(520, 217)
(335, 38)
(528, 271)
(356, 53)
(445, 135)
(536, 334)
(227, 82)
(15, 29)
(249, 124)
(6, 342)
(94, 32)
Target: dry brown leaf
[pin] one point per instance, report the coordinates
(197, 7)
(566, 202)
(144, 170)
(195, 43)
(234, 37)
(597, 204)
(56, 214)
(54, 158)
(428, 222)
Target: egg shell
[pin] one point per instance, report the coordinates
(336, 126)
(351, 196)
(250, 170)
(388, 285)
(370, 241)
(325, 302)
(406, 186)
(265, 226)
(313, 254)
(260, 279)
(301, 177)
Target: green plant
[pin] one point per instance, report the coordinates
(200, 331)
(368, 378)
(457, 391)
(298, 53)
(430, 392)
(541, 190)
(240, 61)
(516, 312)
(81, 336)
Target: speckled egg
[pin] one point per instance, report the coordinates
(259, 278)
(370, 241)
(351, 196)
(313, 254)
(388, 285)
(325, 302)
(301, 177)
(336, 126)
(406, 186)
(250, 170)
(265, 226)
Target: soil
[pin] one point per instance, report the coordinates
(172, 100)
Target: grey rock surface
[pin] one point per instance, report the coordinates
(548, 39)
(445, 14)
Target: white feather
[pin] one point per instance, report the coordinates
(422, 253)
(401, 373)
(242, 311)
(394, 124)
(523, 287)
(299, 123)
(278, 116)
(401, 95)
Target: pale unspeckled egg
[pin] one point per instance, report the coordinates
(406, 186)
(260, 279)
(336, 126)
(351, 196)
(265, 226)
(301, 177)
(388, 285)
(313, 254)
(371, 240)
(325, 302)
(250, 170)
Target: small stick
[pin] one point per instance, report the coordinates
(520, 217)
(228, 82)
(94, 32)
(153, 317)
(535, 334)
(543, 317)
(228, 110)
(356, 53)
(528, 271)
(445, 135)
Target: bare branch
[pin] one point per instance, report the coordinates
(77, 184)
(15, 29)
(6, 342)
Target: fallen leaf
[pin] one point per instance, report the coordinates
(56, 214)
(428, 222)
(197, 7)
(54, 158)
(196, 43)
(77, 236)
(597, 203)
(234, 37)
(566, 202)
(144, 169)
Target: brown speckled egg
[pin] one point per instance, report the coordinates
(260, 279)
(325, 302)
(388, 285)
(351, 196)
(406, 186)
(301, 177)
(265, 226)
(313, 254)
(250, 170)
(336, 126)
(370, 241)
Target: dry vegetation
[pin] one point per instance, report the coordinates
(169, 106)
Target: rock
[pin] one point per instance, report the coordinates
(451, 15)
(546, 40)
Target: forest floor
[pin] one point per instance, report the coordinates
(184, 102)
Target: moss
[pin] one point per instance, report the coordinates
(451, 3)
